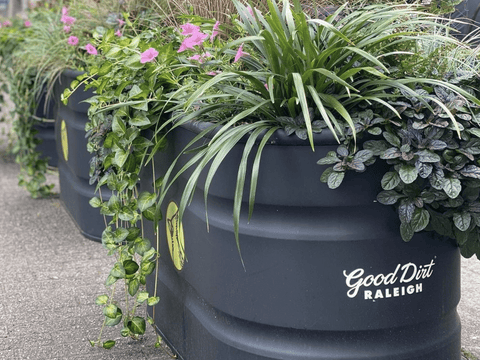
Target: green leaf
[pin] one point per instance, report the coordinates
(330, 158)
(427, 156)
(406, 231)
(108, 344)
(377, 147)
(137, 325)
(389, 197)
(406, 210)
(110, 311)
(133, 233)
(133, 286)
(392, 139)
(95, 202)
(152, 301)
(142, 296)
(390, 180)
(140, 120)
(325, 175)
(105, 69)
(461, 236)
(471, 171)
(441, 224)
(120, 234)
(130, 267)
(408, 173)
(118, 126)
(335, 179)
(101, 300)
(462, 220)
(420, 220)
(109, 321)
(134, 91)
(452, 187)
(118, 271)
(363, 155)
(121, 157)
(110, 280)
(149, 213)
(146, 200)
(142, 245)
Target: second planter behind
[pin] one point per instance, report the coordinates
(74, 159)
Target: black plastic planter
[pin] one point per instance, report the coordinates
(327, 275)
(74, 159)
(468, 12)
(45, 114)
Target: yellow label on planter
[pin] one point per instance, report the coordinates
(64, 134)
(175, 239)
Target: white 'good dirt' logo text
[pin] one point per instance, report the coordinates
(403, 274)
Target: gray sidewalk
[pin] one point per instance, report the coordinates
(50, 276)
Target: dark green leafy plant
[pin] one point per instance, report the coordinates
(434, 179)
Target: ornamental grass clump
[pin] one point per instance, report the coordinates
(365, 72)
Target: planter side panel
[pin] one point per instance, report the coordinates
(326, 274)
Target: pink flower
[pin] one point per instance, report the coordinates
(67, 20)
(249, 9)
(194, 40)
(118, 33)
(7, 23)
(72, 40)
(212, 73)
(148, 55)
(240, 53)
(91, 49)
(64, 11)
(120, 22)
(27, 23)
(66, 28)
(196, 57)
(189, 29)
(215, 32)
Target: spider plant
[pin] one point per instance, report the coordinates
(303, 75)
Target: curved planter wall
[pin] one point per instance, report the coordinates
(46, 129)
(73, 167)
(327, 275)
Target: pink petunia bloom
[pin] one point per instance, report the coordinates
(7, 23)
(64, 11)
(27, 23)
(214, 31)
(72, 40)
(68, 20)
(196, 57)
(194, 40)
(118, 33)
(189, 29)
(66, 28)
(120, 22)
(240, 53)
(91, 49)
(148, 55)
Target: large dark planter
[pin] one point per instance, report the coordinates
(74, 159)
(468, 12)
(327, 275)
(45, 125)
